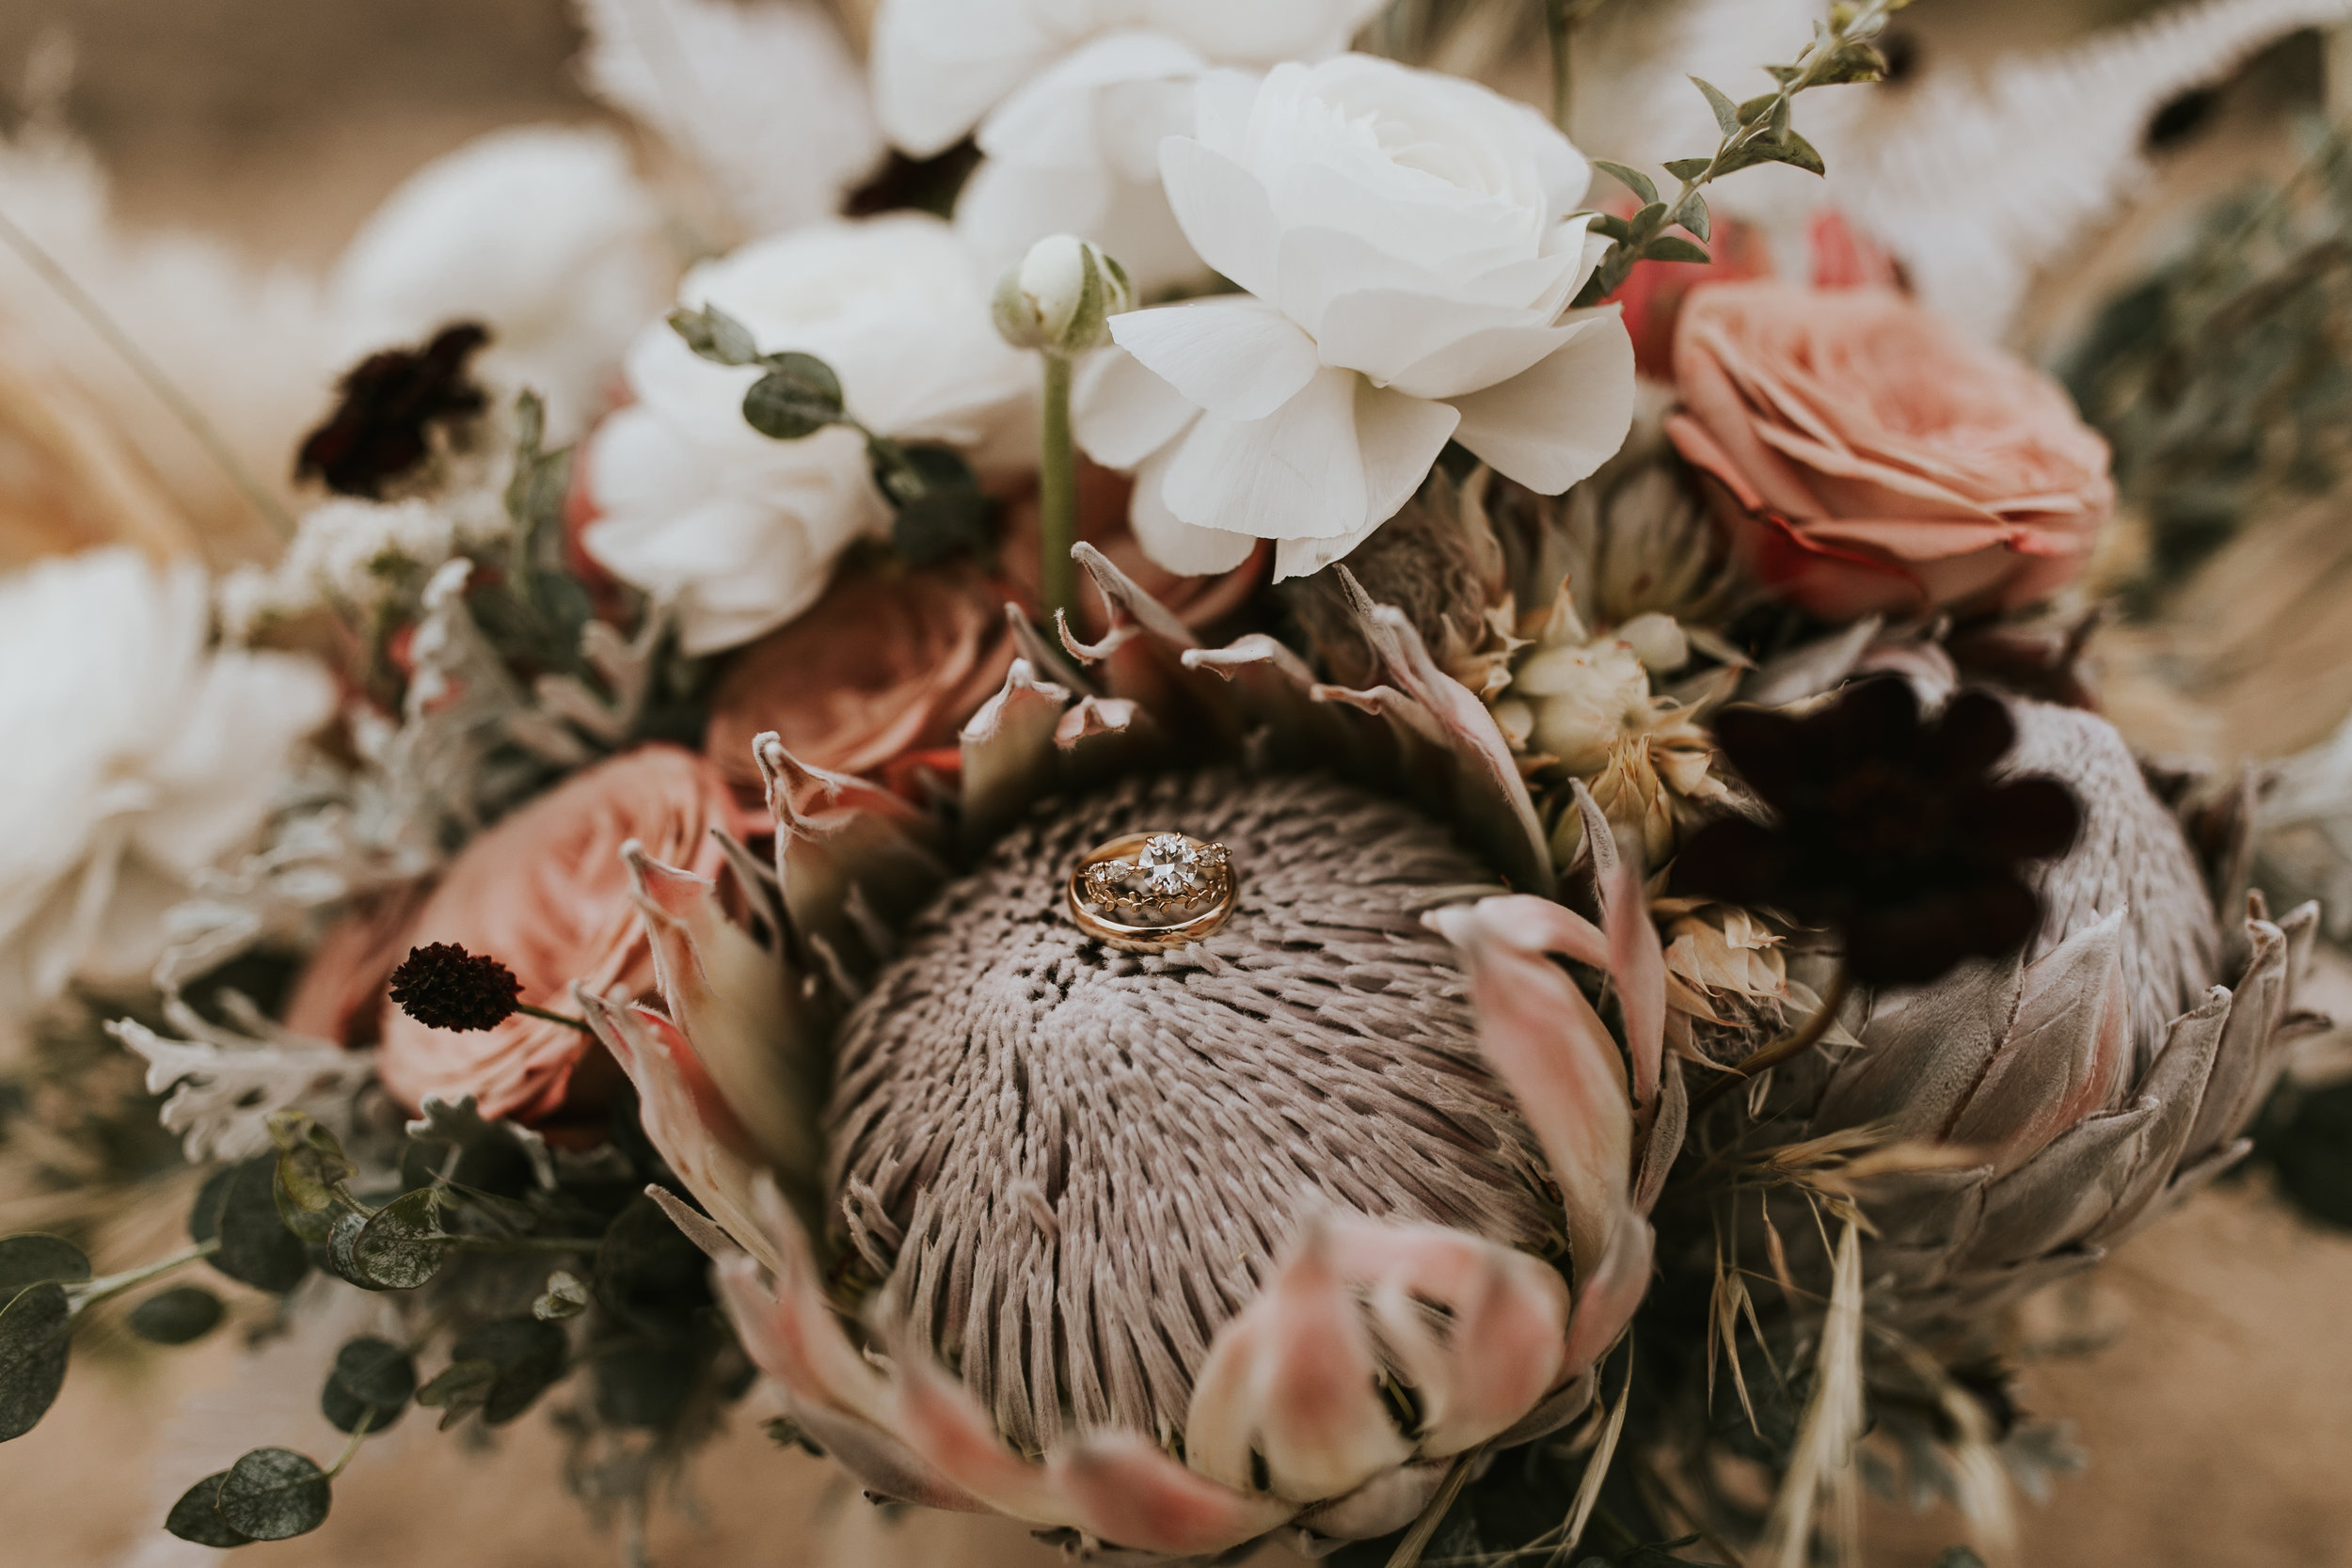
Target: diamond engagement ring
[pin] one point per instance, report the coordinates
(1147, 893)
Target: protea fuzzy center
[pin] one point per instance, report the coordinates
(1074, 1165)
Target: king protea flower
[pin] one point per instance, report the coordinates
(1167, 1252)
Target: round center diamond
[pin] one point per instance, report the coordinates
(1169, 865)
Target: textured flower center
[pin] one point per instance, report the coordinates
(1074, 1165)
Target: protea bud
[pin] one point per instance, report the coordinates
(1059, 298)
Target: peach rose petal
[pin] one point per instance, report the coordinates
(545, 892)
(1870, 458)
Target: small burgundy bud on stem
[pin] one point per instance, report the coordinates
(442, 986)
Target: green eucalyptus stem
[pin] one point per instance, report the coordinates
(519, 1244)
(1790, 1046)
(1057, 494)
(92, 1292)
(1560, 22)
(167, 392)
(351, 1449)
(581, 1024)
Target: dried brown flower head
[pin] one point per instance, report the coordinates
(442, 986)
(377, 432)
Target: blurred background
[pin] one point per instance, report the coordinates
(2215, 1388)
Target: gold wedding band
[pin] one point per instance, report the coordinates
(1149, 893)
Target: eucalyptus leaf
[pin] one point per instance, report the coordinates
(275, 1495)
(34, 1346)
(1958, 1557)
(1727, 114)
(1674, 247)
(204, 1213)
(529, 1355)
(256, 1248)
(460, 1386)
(715, 335)
(401, 1245)
(798, 397)
(1691, 214)
(180, 1316)
(1689, 169)
(372, 1380)
(1795, 151)
(1758, 107)
(1632, 179)
(311, 1164)
(197, 1515)
(34, 1258)
(941, 509)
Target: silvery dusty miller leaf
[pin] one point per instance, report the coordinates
(33, 1349)
(275, 1495)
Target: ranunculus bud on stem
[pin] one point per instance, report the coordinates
(442, 986)
(1058, 300)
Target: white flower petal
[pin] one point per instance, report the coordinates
(1236, 356)
(1557, 423)
(1123, 413)
(1296, 473)
(1172, 544)
(1223, 211)
(1434, 347)
(940, 64)
(1400, 437)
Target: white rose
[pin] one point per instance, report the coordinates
(542, 234)
(941, 65)
(137, 759)
(1409, 257)
(742, 531)
(1070, 102)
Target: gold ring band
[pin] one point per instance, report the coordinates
(1152, 891)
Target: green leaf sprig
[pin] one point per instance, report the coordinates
(1757, 132)
(937, 504)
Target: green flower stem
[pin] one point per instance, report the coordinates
(581, 1024)
(1793, 1044)
(1560, 21)
(1057, 495)
(95, 1291)
(166, 391)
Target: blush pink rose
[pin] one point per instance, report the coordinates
(1867, 458)
(545, 892)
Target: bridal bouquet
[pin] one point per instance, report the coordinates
(1325, 825)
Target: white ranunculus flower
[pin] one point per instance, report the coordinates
(742, 531)
(1070, 100)
(137, 759)
(1409, 257)
(542, 234)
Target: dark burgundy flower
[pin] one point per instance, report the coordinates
(377, 431)
(442, 986)
(1892, 831)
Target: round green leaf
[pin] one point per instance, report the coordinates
(256, 1248)
(178, 1316)
(372, 1379)
(204, 1214)
(798, 397)
(37, 1260)
(34, 1343)
(400, 1246)
(460, 1386)
(529, 1355)
(275, 1495)
(197, 1515)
